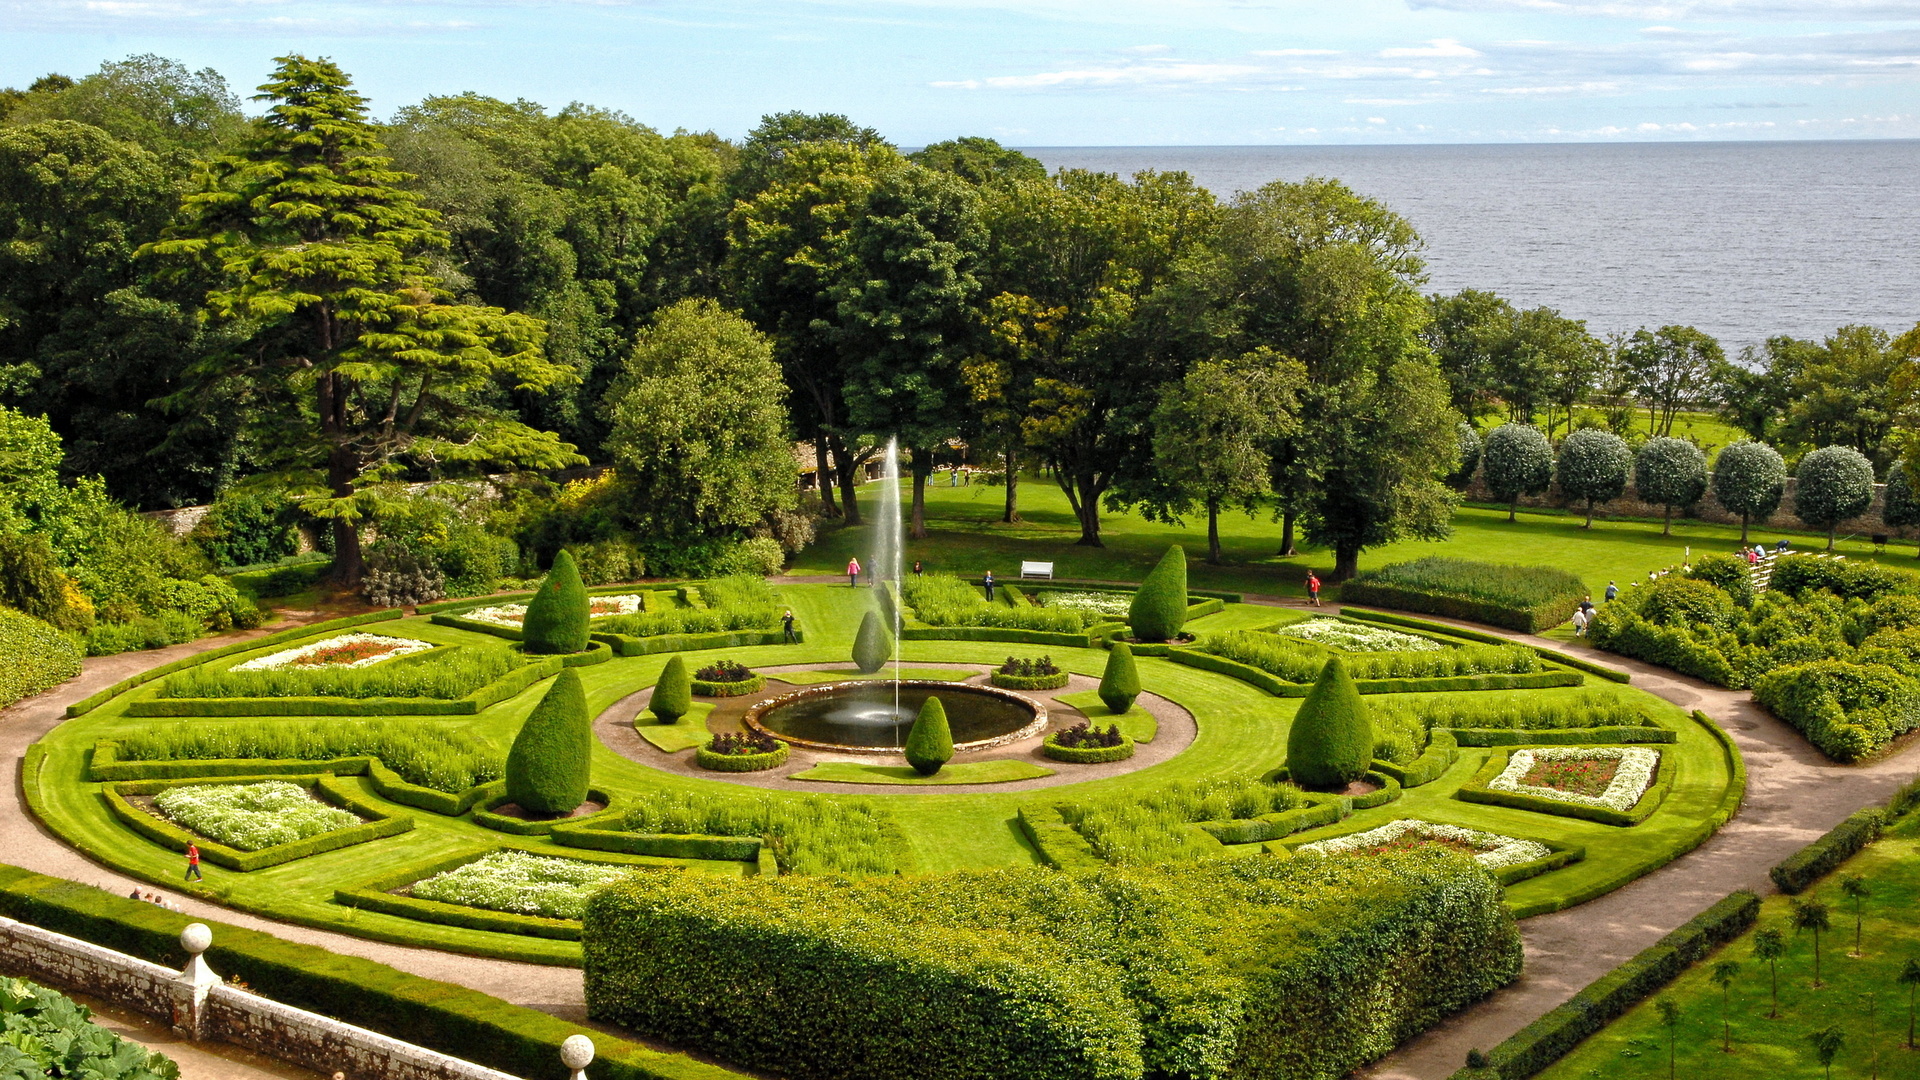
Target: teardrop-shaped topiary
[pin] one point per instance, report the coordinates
(930, 743)
(556, 620)
(673, 694)
(548, 764)
(1120, 682)
(1160, 604)
(1331, 743)
(873, 645)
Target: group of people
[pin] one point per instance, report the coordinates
(153, 898)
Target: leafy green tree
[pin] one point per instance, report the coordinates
(979, 161)
(1670, 1019)
(1858, 892)
(873, 644)
(1843, 393)
(1516, 461)
(1469, 332)
(1909, 977)
(1593, 466)
(1748, 479)
(1827, 1044)
(1769, 946)
(1470, 451)
(698, 427)
(1120, 679)
(1755, 392)
(930, 740)
(1672, 369)
(356, 366)
(557, 616)
(1159, 607)
(150, 101)
(672, 692)
(1670, 472)
(1213, 437)
(30, 459)
(1571, 359)
(1330, 744)
(1832, 484)
(1725, 973)
(1812, 916)
(1902, 506)
(548, 764)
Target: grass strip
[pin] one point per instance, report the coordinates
(689, 732)
(1136, 723)
(1001, 771)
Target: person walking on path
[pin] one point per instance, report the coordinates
(786, 624)
(193, 862)
(1580, 622)
(1612, 591)
(1313, 588)
(916, 568)
(853, 573)
(988, 581)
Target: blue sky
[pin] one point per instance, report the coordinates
(1074, 72)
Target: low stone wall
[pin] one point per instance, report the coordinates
(200, 1007)
(1707, 509)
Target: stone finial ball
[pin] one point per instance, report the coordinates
(577, 1052)
(195, 938)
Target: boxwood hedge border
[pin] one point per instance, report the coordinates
(484, 816)
(379, 823)
(1086, 755)
(1477, 791)
(507, 686)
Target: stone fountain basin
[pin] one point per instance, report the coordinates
(862, 717)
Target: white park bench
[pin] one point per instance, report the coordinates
(1037, 570)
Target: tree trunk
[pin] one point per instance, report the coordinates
(823, 476)
(1012, 513)
(1589, 523)
(1666, 529)
(1213, 532)
(846, 472)
(1346, 563)
(922, 465)
(1743, 530)
(1511, 508)
(1287, 518)
(1083, 494)
(1831, 529)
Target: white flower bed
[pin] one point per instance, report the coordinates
(524, 884)
(514, 614)
(291, 657)
(251, 816)
(1495, 850)
(1345, 635)
(1631, 778)
(1114, 605)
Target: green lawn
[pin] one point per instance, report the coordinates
(1861, 993)
(960, 772)
(968, 538)
(1242, 732)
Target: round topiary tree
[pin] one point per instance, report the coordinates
(547, 766)
(1159, 607)
(1748, 479)
(930, 743)
(1903, 506)
(1516, 461)
(1670, 472)
(873, 645)
(1593, 466)
(1462, 474)
(673, 693)
(1832, 484)
(1120, 682)
(1331, 743)
(556, 620)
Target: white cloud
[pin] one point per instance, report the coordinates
(1296, 52)
(1171, 73)
(1683, 10)
(1376, 119)
(1438, 47)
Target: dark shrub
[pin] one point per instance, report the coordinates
(556, 619)
(1120, 683)
(1086, 735)
(33, 656)
(873, 645)
(1331, 743)
(673, 693)
(1160, 604)
(930, 743)
(548, 764)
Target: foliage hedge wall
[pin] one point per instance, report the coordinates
(33, 656)
(1524, 598)
(1242, 968)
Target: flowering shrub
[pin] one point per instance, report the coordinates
(339, 651)
(1085, 735)
(1609, 777)
(728, 671)
(1104, 604)
(520, 883)
(499, 615)
(1490, 850)
(1029, 668)
(602, 606)
(743, 743)
(249, 817)
(1352, 638)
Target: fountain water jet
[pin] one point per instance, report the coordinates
(887, 551)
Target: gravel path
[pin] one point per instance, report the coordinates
(1793, 796)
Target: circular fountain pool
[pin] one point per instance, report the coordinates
(874, 718)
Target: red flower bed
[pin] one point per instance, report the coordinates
(1579, 776)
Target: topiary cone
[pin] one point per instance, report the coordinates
(1120, 682)
(1160, 604)
(673, 693)
(548, 764)
(930, 743)
(556, 620)
(1331, 743)
(873, 645)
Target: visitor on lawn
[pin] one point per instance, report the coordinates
(988, 581)
(193, 863)
(853, 573)
(1580, 622)
(1612, 591)
(1313, 588)
(916, 568)
(786, 624)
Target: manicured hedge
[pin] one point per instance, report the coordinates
(167, 834)
(332, 626)
(1015, 973)
(484, 816)
(1555, 655)
(1273, 826)
(33, 656)
(1279, 687)
(395, 789)
(597, 652)
(754, 685)
(1059, 844)
(1547, 1039)
(1524, 598)
(730, 639)
(105, 765)
(486, 697)
(1030, 682)
(995, 633)
(1477, 791)
(1847, 711)
(707, 759)
(662, 845)
(440, 1016)
(379, 895)
(1087, 755)
(1441, 752)
(1797, 872)
(1593, 736)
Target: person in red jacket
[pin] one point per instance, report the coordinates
(193, 863)
(1313, 588)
